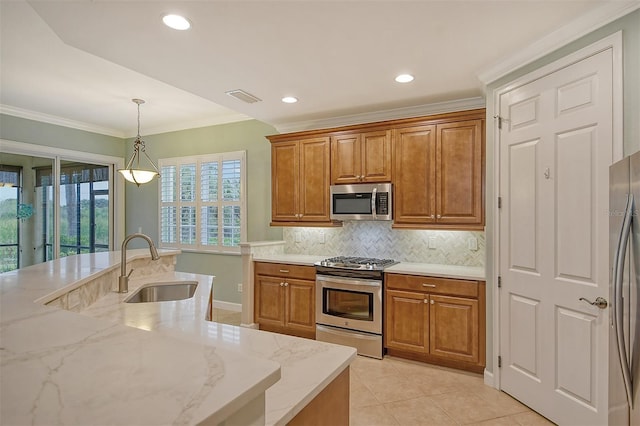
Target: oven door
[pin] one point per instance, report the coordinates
(349, 303)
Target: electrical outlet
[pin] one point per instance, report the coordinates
(239, 287)
(298, 236)
(139, 229)
(321, 237)
(432, 242)
(473, 243)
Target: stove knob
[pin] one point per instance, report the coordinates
(323, 263)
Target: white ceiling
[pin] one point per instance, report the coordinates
(81, 62)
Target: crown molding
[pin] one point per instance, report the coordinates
(58, 121)
(575, 29)
(389, 114)
(79, 125)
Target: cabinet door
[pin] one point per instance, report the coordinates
(376, 156)
(315, 175)
(454, 328)
(407, 321)
(345, 159)
(269, 300)
(459, 163)
(300, 303)
(285, 181)
(414, 175)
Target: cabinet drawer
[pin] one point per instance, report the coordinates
(432, 285)
(285, 270)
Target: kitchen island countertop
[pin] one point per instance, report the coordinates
(67, 368)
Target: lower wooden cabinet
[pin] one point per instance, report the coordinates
(407, 321)
(285, 298)
(436, 320)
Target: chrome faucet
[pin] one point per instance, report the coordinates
(123, 279)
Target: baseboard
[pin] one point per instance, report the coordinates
(252, 325)
(488, 378)
(227, 306)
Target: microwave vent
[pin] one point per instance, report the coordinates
(243, 96)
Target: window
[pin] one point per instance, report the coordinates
(84, 208)
(202, 202)
(9, 218)
(68, 201)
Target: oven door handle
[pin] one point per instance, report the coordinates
(349, 281)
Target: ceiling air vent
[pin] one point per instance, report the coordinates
(243, 96)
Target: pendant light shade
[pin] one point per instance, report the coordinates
(132, 172)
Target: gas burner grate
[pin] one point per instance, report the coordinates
(357, 262)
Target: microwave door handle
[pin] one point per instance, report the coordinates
(373, 202)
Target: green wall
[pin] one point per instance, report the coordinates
(142, 202)
(38, 133)
(630, 27)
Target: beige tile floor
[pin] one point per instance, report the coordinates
(226, 317)
(394, 391)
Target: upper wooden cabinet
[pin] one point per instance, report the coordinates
(300, 181)
(435, 163)
(361, 157)
(438, 175)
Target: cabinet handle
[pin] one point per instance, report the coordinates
(428, 285)
(432, 302)
(432, 216)
(284, 271)
(439, 216)
(281, 284)
(426, 300)
(286, 284)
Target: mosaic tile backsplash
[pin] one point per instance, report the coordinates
(377, 239)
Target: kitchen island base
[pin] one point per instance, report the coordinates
(330, 407)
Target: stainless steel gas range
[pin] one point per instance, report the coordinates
(349, 293)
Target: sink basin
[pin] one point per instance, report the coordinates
(163, 292)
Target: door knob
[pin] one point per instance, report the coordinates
(600, 302)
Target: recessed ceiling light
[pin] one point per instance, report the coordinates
(289, 100)
(404, 78)
(176, 22)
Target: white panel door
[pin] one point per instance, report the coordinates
(555, 151)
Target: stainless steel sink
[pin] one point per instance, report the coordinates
(163, 292)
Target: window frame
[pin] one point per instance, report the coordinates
(57, 155)
(198, 203)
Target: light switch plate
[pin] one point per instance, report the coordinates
(473, 244)
(298, 235)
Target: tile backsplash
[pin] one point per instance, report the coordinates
(377, 239)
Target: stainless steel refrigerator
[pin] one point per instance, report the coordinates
(624, 292)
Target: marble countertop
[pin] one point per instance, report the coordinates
(293, 259)
(437, 270)
(306, 366)
(105, 366)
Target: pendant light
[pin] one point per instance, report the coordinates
(137, 175)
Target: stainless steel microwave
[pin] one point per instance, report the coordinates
(361, 202)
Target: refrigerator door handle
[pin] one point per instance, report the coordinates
(618, 274)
